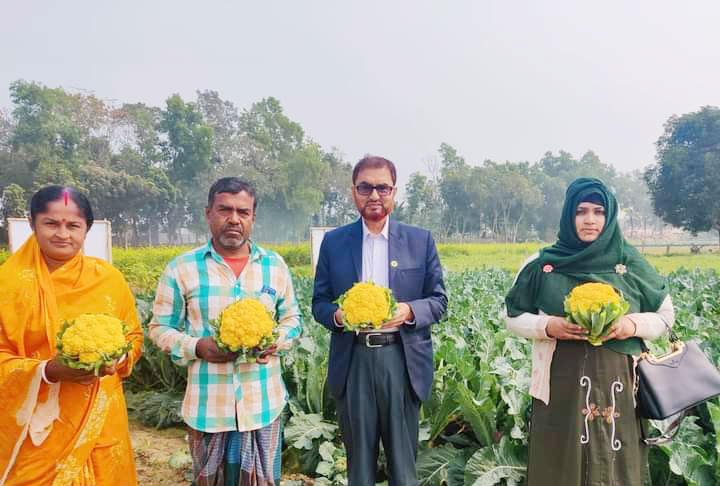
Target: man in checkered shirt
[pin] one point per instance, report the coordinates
(232, 409)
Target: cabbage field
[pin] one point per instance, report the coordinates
(474, 428)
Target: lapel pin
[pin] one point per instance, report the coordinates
(393, 264)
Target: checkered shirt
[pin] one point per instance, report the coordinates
(194, 289)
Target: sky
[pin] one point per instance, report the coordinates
(502, 80)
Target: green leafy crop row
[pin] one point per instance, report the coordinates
(474, 427)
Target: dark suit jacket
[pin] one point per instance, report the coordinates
(416, 280)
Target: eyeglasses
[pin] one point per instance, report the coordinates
(365, 189)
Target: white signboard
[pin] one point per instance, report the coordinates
(317, 233)
(98, 242)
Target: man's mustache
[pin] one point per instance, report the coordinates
(238, 229)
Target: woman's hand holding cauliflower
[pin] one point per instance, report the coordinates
(89, 347)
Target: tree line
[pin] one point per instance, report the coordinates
(147, 170)
(517, 201)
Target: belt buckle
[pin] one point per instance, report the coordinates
(367, 340)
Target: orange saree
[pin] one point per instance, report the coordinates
(63, 433)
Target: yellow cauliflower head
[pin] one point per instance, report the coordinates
(244, 324)
(91, 338)
(595, 306)
(366, 305)
(592, 297)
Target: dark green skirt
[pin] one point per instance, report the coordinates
(589, 434)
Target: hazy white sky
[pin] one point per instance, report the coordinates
(500, 80)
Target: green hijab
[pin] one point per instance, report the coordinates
(545, 281)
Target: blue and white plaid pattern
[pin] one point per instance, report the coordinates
(194, 289)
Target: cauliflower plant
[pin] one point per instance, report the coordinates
(595, 306)
(244, 326)
(92, 341)
(366, 306)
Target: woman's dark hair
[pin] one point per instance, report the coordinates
(46, 195)
(232, 185)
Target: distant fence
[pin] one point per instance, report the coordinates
(694, 246)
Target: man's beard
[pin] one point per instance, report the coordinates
(371, 215)
(232, 242)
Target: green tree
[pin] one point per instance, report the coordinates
(685, 182)
(13, 204)
(141, 157)
(337, 207)
(553, 173)
(54, 133)
(416, 194)
(189, 152)
(423, 203)
(6, 131)
(266, 124)
(137, 130)
(298, 194)
(292, 172)
(510, 198)
(639, 220)
(230, 147)
(455, 175)
(147, 168)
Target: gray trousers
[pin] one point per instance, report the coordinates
(379, 404)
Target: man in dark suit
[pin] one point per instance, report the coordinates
(378, 378)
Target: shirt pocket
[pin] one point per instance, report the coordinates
(267, 296)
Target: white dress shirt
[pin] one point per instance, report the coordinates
(376, 264)
(375, 259)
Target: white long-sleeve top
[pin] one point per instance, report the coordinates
(650, 325)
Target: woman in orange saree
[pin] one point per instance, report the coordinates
(59, 425)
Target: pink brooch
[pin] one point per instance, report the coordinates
(620, 269)
(548, 268)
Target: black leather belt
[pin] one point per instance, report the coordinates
(377, 339)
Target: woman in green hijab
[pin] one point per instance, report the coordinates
(584, 428)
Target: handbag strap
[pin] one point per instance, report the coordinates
(671, 335)
(667, 435)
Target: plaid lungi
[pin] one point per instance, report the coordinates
(235, 458)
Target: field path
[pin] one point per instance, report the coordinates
(153, 451)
